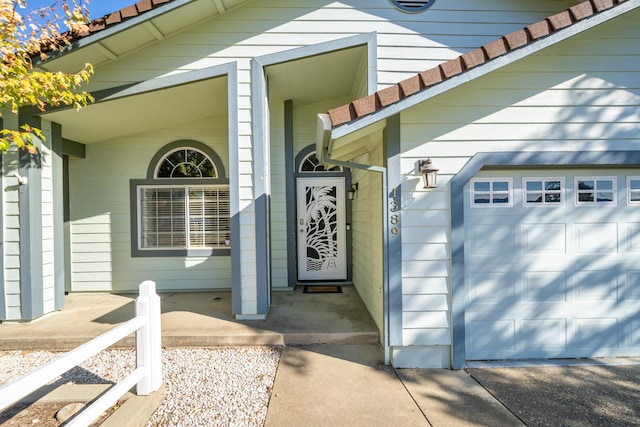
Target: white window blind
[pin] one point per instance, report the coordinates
(184, 217)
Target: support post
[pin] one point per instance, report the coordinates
(148, 339)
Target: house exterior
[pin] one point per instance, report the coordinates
(258, 145)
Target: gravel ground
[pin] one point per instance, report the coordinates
(205, 386)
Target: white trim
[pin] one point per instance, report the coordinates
(629, 189)
(491, 192)
(614, 190)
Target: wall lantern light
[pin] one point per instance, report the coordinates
(352, 191)
(429, 172)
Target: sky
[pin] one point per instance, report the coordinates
(97, 8)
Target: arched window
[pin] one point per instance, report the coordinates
(183, 205)
(310, 163)
(186, 162)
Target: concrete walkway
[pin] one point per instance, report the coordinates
(331, 372)
(202, 319)
(348, 385)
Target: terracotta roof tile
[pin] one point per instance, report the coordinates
(517, 39)
(600, 5)
(431, 77)
(97, 25)
(389, 95)
(451, 68)
(113, 19)
(495, 48)
(582, 10)
(366, 105)
(471, 59)
(560, 20)
(129, 12)
(342, 115)
(120, 16)
(539, 29)
(144, 6)
(410, 86)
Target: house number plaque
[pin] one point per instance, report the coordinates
(394, 217)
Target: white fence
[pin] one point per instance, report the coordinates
(147, 377)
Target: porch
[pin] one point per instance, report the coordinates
(199, 319)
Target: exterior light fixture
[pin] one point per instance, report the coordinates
(352, 191)
(429, 172)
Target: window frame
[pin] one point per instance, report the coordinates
(544, 192)
(629, 190)
(614, 190)
(137, 250)
(491, 192)
(189, 214)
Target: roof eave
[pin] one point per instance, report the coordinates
(481, 70)
(115, 29)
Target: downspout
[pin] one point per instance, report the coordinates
(323, 138)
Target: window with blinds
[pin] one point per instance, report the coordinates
(184, 205)
(184, 217)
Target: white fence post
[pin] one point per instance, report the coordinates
(148, 339)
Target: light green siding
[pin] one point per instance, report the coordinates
(367, 236)
(270, 26)
(252, 31)
(582, 94)
(101, 215)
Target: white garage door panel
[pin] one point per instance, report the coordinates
(557, 281)
(632, 237)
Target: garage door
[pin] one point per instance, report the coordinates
(552, 264)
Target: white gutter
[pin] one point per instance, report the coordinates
(323, 139)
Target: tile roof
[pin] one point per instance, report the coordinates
(488, 52)
(120, 16)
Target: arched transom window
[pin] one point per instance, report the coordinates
(183, 206)
(311, 164)
(186, 162)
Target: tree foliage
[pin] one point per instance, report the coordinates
(25, 37)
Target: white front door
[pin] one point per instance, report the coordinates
(321, 229)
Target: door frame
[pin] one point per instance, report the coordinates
(303, 184)
(292, 240)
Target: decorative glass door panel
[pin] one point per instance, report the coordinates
(321, 229)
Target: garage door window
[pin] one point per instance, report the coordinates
(543, 191)
(491, 192)
(633, 189)
(592, 191)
